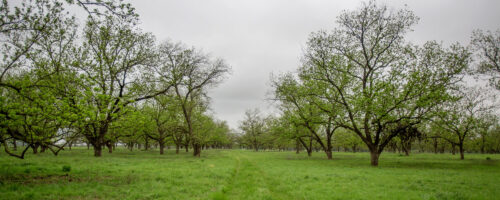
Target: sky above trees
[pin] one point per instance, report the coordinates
(261, 37)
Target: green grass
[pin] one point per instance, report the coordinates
(239, 174)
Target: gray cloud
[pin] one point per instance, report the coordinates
(260, 37)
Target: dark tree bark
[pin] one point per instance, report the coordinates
(110, 147)
(435, 144)
(374, 156)
(43, 148)
(297, 146)
(308, 147)
(35, 148)
(461, 148)
(97, 150)
(130, 146)
(406, 148)
(14, 143)
(162, 147)
(197, 150)
(483, 141)
(328, 149)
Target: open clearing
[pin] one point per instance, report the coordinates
(240, 174)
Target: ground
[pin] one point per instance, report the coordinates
(241, 174)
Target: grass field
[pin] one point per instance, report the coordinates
(240, 174)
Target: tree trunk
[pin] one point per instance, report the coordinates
(97, 150)
(461, 147)
(42, 150)
(176, 148)
(88, 145)
(435, 146)
(407, 152)
(308, 148)
(374, 157)
(146, 144)
(110, 147)
(186, 147)
(98, 142)
(162, 147)
(35, 148)
(453, 149)
(196, 150)
(328, 150)
(482, 143)
(297, 146)
(329, 154)
(329, 144)
(408, 148)
(15, 145)
(70, 144)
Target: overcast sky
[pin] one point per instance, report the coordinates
(260, 37)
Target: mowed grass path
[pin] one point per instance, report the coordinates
(240, 174)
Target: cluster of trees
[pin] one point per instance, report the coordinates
(282, 133)
(103, 81)
(106, 82)
(363, 83)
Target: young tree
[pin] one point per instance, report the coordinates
(486, 124)
(493, 139)
(191, 73)
(165, 117)
(302, 104)
(253, 128)
(459, 120)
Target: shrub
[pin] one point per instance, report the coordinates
(66, 168)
